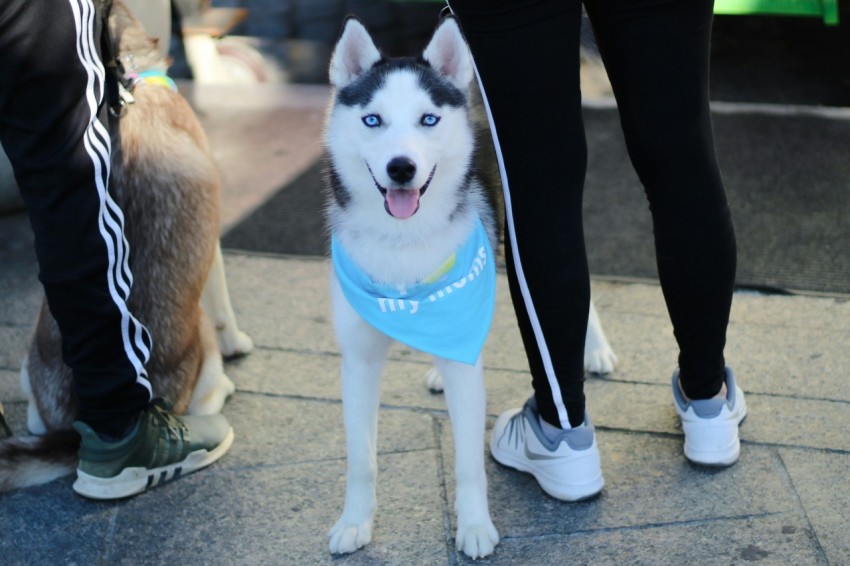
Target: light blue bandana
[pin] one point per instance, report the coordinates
(447, 315)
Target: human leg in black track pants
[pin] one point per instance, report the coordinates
(656, 53)
(54, 128)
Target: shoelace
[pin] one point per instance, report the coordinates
(175, 428)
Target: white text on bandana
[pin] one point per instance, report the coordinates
(449, 315)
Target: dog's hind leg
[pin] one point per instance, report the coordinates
(599, 357)
(35, 424)
(215, 300)
(213, 387)
(434, 381)
(363, 353)
(465, 396)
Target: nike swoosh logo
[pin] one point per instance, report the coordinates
(532, 456)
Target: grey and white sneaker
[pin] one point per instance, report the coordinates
(711, 425)
(566, 468)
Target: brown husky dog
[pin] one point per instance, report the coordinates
(168, 188)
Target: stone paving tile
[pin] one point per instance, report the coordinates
(820, 480)
(281, 515)
(49, 524)
(775, 540)
(271, 431)
(648, 483)
(273, 498)
(770, 420)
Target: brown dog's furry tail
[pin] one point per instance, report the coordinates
(33, 460)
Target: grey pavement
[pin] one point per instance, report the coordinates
(272, 499)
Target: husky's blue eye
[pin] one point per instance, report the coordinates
(372, 120)
(429, 120)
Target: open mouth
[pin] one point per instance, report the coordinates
(402, 203)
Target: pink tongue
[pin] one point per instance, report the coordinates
(402, 203)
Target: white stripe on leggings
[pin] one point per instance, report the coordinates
(111, 219)
(526, 295)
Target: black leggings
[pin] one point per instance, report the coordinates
(656, 53)
(54, 128)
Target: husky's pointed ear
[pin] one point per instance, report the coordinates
(448, 53)
(354, 54)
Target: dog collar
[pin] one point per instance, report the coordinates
(151, 77)
(448, 315)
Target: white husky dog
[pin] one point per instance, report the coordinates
(412, 252)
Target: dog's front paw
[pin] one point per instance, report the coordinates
(211, 401)
(600, 360)
(477, 541)
(234, 344)
(346, 537)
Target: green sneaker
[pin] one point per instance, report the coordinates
(161, 448)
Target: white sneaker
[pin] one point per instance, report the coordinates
(711, 425)
(566, 468)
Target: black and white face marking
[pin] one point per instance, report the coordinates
(399, 107)
(403, 119)
(401, 200)
(340, 194)
(401, 195)
(362, 90)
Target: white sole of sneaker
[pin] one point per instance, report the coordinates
(573, 493)
(588, 488)
(714, 459)
(132, 481)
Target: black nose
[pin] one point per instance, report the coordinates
(401, 169)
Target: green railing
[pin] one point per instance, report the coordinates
(825, 9)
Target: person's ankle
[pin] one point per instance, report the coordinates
(722, 394)
(128, 431)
